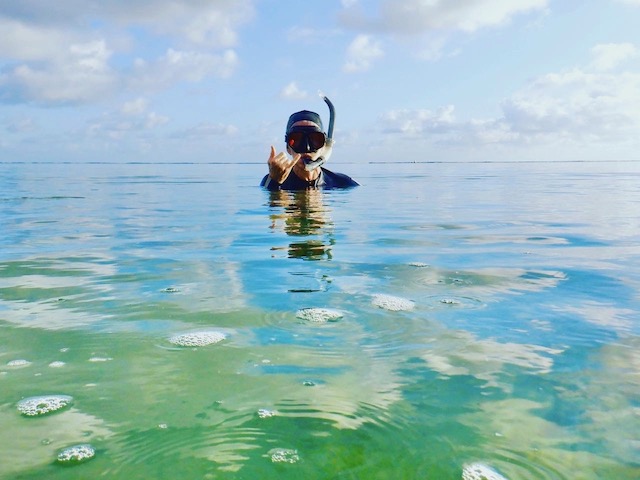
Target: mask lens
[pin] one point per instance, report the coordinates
(316, 140)
(303, 142)
(296, 140)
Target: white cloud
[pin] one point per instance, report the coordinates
(54, 52)
(139, 108)
(419, 122)
(608, 56)
(419, 16)
(212, 24)
(293, 92)
(206, 130)
(209, 23)
(425, 26)
(153, 120)
(361, 53)
(135, 107)
(176, 66)
(580, 107)
(80, 73)
(131, 120)
(23, 41)
(577, 105)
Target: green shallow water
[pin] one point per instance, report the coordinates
(488, 316)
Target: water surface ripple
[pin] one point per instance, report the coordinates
(440, 321)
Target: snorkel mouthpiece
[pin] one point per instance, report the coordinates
(313, 164)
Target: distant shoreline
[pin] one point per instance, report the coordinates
(399, 162)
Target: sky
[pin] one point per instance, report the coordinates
(412, 81)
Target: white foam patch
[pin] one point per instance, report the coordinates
(265, 413)
(419, 264)
(284, 455)
(35, 406)
(21, 362)
(319, 315)
(479, 471)
(100, 359)
(392, 303)
(197, 339)
(57, 364)
(77, 454)
(449, 301)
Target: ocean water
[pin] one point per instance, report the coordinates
(441, 321)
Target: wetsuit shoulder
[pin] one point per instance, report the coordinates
(293, 182)
(338, 180)
(265, 181)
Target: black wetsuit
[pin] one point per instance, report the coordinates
(326, 180)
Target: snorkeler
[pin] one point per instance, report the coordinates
(309, 148)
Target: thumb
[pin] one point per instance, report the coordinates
(294, 159)
(273, 152)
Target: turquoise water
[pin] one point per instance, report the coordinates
(465, 317)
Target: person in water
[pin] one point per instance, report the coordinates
(309, 148)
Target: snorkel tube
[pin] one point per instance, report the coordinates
(329, 145)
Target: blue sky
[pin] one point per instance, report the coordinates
(415, 80)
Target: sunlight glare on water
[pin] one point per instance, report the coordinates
(441, 321)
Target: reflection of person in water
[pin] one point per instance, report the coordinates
(303, 214)
(309, 148)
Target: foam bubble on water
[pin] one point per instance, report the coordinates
(57, 364)
(392, 303)
(419, 264)
(265, 413)
(21, 362)
(100, 359)
(42, 405)
(284, 455)
(76, 454)
(319, 315)
(479, 471)
(197, 339)
(449, 301)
